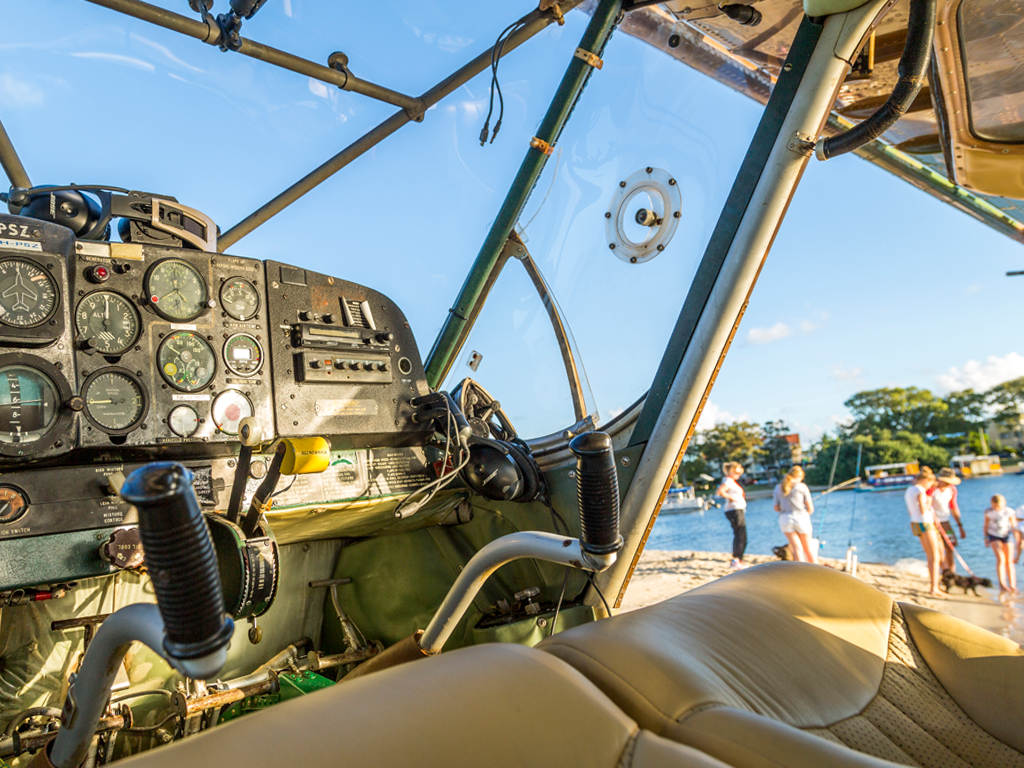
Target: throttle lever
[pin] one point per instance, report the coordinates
(250, 434)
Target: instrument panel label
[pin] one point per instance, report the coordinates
(20, 245)
(346, 407)
(179, 397)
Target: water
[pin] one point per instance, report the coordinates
(880, 526)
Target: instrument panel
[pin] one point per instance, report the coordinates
(114, 354)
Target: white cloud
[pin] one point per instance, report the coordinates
(767, 335)
(712, 415)
(115, 58)
(317, 88)
(164, 50)
(845, 374)
(16, 92)
(807, 326)
(972, 288)
(980, 376)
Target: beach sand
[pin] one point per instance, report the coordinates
(661, 574)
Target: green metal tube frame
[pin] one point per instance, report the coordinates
(488, 262)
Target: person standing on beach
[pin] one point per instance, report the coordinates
(1000, 525)
(944, 507)
(735, 510)
(922, 524)
(793, 503)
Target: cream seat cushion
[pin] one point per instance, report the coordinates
(794, 664)
(495, 705)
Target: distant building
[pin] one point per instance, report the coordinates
(796, 452)
(1007, 432)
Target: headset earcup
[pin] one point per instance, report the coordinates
(533, 480)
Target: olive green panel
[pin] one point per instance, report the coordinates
(815, 8)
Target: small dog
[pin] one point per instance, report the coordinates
(964, 582)
(782, 552)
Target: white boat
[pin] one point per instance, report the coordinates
(682, 500)
(976, 466)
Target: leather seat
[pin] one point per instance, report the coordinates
(494, 705)
(790, 664)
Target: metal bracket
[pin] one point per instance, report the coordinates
(541, 146)
(207, 243)
(802, 144)
(591, 58)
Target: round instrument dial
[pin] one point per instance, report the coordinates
(176, 290)
(114, 400)
(229, 408)
(183, 420)
(29, 404)
(13, 504)
(28, 295)
(109, 320)
(243, 355)
(239, 298)
(186, 361)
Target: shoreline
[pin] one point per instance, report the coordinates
(662, 574)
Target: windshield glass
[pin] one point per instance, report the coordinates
(93, 96)
(649, 139)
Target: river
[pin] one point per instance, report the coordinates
(876, 523)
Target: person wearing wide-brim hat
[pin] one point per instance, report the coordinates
(945, 507)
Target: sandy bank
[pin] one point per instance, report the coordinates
(660, 575)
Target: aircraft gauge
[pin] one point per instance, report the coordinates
(114, 400)
(28, 295)
(29, 404)
(243, 355)
(186, 361)
(183, 420)
(13, 504)
(108, 321)
(176, 290)
(230, 407)
(239, 298)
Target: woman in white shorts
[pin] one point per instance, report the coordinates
(794, 505)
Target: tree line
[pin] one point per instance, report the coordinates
(888, 426)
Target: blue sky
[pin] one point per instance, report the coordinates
(870, 283)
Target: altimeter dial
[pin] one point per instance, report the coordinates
(108, 321)
(176, 290)
(28, 295)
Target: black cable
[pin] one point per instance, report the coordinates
(284, 490)
(561, 596)
(497, 51)
(147, 728)
(590, 578)
(556, 518)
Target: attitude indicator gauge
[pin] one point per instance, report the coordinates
(107, 322)
(115, 400)
(230, 407)
(29, 404)
(28, 295)
(243, 355)
(239, 298)
(176, 290)
(186, 361)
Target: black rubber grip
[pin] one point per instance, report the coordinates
(180, 559)
(597, 492)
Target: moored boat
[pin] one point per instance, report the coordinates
(976, 466)
(888, 477)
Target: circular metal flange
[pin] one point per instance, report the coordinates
(643, 215)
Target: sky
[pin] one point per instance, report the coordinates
(870, 283)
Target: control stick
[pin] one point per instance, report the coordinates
(597, 489)
(188, 627)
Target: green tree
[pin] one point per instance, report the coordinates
(1007, 400)
(880, 446)
(739, 441)
(896, 409)
(776, 451)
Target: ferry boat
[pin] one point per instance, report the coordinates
(976, 466)
(889, 477)
(316, 476)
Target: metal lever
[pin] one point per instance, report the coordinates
(294, 456)
(250, 434)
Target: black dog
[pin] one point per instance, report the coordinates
(964, 582)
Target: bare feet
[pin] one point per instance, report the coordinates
(937, 593)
